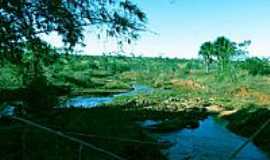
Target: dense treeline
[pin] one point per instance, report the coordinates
(74, 70)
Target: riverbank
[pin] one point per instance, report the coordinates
(244, 121)
(247, 121)
(118, 120)
(182, 97)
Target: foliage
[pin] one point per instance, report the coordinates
(256, 66)
(116, 85)
(107, 124)
(206, 51)
(173, 95)
(23, 22)
(40, 96)
(10, 76)
(224, 52)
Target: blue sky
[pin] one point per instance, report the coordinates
(182, 25)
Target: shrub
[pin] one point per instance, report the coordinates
(40, 96)
(257, 66)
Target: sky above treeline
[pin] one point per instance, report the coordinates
(183, 25)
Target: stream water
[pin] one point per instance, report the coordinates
(210, 141)
(90, 102)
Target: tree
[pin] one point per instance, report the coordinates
(207, 51)
(224, 50)
(24, 21)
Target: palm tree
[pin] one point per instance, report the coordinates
(207, 51)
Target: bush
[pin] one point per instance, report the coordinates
(116, 85)
(40, 96)
(257, 66)
(10, 76)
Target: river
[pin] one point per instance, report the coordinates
(210, 141)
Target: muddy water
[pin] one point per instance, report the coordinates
(210, 141)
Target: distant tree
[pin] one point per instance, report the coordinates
(207, 51)
(242, 51)
(224, 51)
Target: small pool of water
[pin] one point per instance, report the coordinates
(149, 123)
(210, 141)
(90, 102)
(87, 102)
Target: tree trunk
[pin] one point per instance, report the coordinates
(36, 68)
(207, 66)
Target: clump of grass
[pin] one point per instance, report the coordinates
(116, 84)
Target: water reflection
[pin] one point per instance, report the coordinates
(210, 141)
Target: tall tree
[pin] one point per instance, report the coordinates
(224, 50)
(207, 51)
